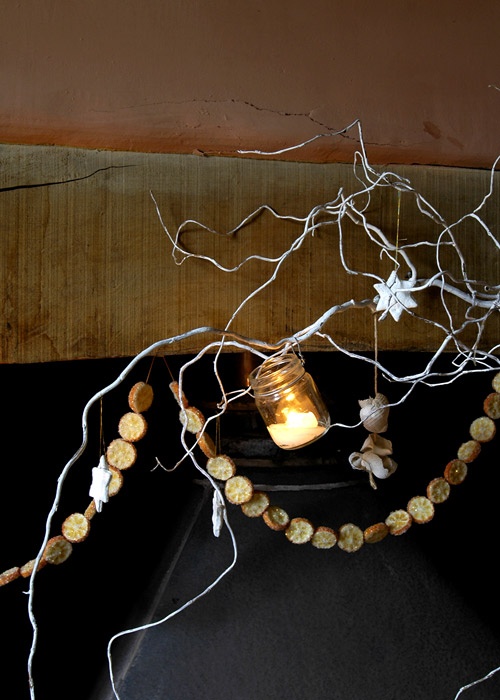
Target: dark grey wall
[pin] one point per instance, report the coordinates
(414, 616)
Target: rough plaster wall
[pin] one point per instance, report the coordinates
(212, 78)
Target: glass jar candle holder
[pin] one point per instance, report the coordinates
(289, 402)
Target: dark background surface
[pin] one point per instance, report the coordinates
(414, 616)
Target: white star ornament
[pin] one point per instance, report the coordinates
(394, 297)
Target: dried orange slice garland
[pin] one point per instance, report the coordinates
(239, 490)
(349, 537)
(121, 454)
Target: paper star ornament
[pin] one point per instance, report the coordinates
(394, 297)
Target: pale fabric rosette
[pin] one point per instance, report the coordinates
(374, 458)
(381, 446)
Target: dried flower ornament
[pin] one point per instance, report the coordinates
(374, 457)
(377, 444)
(374, 413)
(369, 460)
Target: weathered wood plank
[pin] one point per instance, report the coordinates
(87, 270)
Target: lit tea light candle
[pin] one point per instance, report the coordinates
(299, 429)
(289, 402)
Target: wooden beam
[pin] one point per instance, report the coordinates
(87, 270)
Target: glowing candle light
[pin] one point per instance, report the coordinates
(289, 402)
(298, 430)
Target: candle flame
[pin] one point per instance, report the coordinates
(296, 419)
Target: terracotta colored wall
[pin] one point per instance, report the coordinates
(183, 76)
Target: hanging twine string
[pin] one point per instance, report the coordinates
(397, 230)
(150, 368)
(102, 443)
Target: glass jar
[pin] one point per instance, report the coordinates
(289, 402)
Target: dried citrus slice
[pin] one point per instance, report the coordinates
(76, 527)
(221, 467)
(350, 538)
(206, 444)
(455, 472)
(299, 530)
(140, 397)
(438, 490)
(238, 489)
(324, 537)
(132, 426)
(179, 395)
(491, 406)
(121, 454)
(90, 510)
(27, 569)
(468, 451)
(421, 509)
(10, 575)
(192, 418)
(276, 518)
(256, 506)
(496, 382)
(482, 429)
(398, 522)
(116, 481)
(57, 550)
(375, 533)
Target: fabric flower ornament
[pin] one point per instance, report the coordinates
(377, 444)
(381, 467)
(374, 458)
(394, 297)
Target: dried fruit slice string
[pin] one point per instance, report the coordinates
(239, 490)
(119, 456)
(420, 509)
